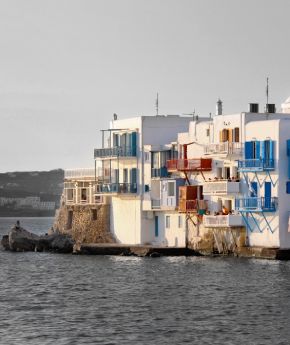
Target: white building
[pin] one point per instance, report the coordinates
(135, 181)
(159, 174)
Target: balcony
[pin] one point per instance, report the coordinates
(226, 148)
(224, 187)
(253, 165)
(159, 172)
(116, 188)
(225, 221)
(156, 204)
(197, 164)
(194, 206)
(117, 151)
(78, 174)
(254, 204)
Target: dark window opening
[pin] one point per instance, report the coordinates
(69, 220)
(94, 214)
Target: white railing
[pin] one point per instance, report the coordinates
(223, 221)
(79, 173)
(224, 148)
(221, 187)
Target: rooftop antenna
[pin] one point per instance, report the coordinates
(191, 114)
(157, 104)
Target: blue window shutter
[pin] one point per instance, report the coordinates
(257, 149)
(288, 147)
(288, 187)
(134, 143)
(115, 140)
(133, 175)
(248, 150)
(271, 149)
(289, 167)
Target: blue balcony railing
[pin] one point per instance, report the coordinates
(159, 172)
(117, 151)
(256, 164)
(253, 204)
(104, 188)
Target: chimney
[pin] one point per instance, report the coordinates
(219, 107)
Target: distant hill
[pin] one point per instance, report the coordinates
(47, 185)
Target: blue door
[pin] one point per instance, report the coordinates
(156, 227)
(268, 195)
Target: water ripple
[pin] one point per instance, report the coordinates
(63, 299)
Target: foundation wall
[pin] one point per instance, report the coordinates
(208, 241)
(86, 224)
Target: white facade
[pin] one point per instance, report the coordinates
(139, 195)
(158, 173)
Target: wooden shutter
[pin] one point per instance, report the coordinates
(230, 135)
(237, 134)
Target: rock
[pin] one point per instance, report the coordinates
(155, 255)
(56, 242)
(5, 242)
(21, 240)
(62, 244)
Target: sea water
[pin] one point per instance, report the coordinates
(65, 299)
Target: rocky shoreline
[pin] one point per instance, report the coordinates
(21, 240)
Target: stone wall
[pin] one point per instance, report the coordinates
(207, 241)
(86, 224)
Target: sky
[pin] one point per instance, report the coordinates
(66, 66)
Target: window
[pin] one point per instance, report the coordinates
(237, 134)
(167, 222)
(70, 194)
(207, 132)
(224, 135)
(253, 189)
(84, 194)
(171, 188)
(227, 172)
(180, 221)
(146, 157)
(125, 175)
